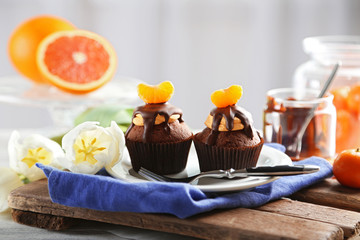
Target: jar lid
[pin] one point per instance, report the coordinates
(336, 47)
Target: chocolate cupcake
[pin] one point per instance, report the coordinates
(229, 140)
(158, 139)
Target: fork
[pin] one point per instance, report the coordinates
(161, 178)
(280, 170)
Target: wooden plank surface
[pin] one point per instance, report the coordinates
(221, 224)
(349, 221)
(330, 193)
(41, 220)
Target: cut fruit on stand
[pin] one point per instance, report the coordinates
(76, 61)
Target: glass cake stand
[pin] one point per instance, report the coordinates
(64, 107)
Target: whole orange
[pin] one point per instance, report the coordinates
(25, 39)
(346, 168)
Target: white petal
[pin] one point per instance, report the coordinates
(9, 180)
(36, 140)
(84, 131)
(69, 138)
(13, 146)
(120, 142)
(18, 149)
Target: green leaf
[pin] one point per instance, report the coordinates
(58, 139)
(123, 127)
(104, 114)
(24, 179)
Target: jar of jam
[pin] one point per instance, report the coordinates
(285, 114)
(324, 52)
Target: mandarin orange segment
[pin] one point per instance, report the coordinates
(76, 61)
(160, 93)
(344, 123)
(25, 39)
(227, 97)
(340, 97)
(353, 99)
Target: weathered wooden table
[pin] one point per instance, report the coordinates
(327, 210)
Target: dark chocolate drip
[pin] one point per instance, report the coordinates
(149, 113)
(229, 113)
(273, 106)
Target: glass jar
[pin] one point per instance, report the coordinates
(285, 114)
(324, 53)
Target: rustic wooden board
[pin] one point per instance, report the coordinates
(349, 221)
(330, 193)
(41, 220)
(225, 224)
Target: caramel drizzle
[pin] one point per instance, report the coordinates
(149, 113)
(229, 113)
(273, 106)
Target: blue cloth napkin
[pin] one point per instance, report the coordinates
(182, 200)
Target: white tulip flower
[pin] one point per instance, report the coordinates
(120, 145)
(89, 147)
(9, 180)
(33, 149)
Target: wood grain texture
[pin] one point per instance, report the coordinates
(40, 220)
(330, 193)
(236, 223)
(349, 221)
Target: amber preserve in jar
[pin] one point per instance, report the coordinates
(324, 52)
(285, 114)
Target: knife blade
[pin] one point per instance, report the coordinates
(278, 170)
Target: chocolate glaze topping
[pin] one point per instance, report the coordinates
(149, 113)
(229, 113)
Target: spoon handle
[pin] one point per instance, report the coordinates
(298, 139)
(329, 81)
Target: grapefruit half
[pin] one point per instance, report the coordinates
(76, 61)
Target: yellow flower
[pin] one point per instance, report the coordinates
(89, 147)
(35, 155)
(85, 149)
(24, 153)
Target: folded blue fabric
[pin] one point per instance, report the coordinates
(183, 200)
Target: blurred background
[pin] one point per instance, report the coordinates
(199, 45)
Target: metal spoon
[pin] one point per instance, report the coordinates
(299, 136)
